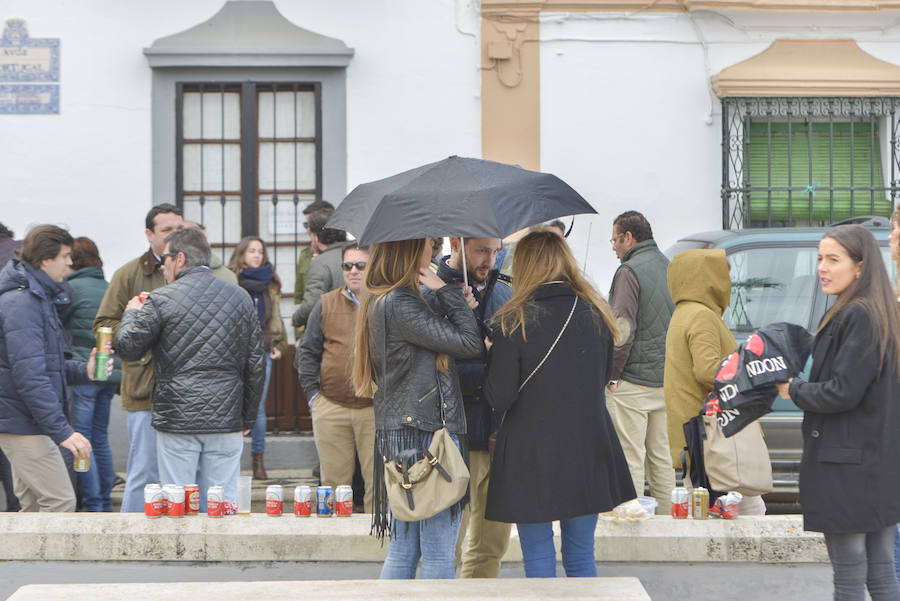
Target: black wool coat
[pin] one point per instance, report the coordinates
(557, 454)
(850, 472)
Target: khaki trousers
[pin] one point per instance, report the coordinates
(341, 433)
(639, 416)
(40, 478)
(488, 540)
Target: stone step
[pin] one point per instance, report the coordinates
(258, 537)
(285, 452)
(575, 589)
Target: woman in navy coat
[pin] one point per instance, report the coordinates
(850, 471)
(557, 455)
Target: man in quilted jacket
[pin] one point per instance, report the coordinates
(208, 361)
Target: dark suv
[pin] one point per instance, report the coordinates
(774, 278)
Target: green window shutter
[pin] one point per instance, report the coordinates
(867, 178)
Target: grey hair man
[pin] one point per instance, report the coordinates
(209, 365)
(215, 261)
(635, 400)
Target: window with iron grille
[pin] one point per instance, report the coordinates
(248, 161)
(808, 161)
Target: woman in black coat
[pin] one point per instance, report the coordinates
(850, 472)
(557, 456)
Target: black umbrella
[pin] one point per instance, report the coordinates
(457, 196)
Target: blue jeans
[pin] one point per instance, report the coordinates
(258, 433)
(141, 460)
(90, 411)
(202, 459)
(433, 540)
(539, 554)
(897, 551)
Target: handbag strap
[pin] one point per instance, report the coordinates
(552, 346)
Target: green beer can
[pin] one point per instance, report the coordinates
(104, 352)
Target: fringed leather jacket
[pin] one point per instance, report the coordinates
(407, 336)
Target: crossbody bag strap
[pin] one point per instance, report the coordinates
(552, 346)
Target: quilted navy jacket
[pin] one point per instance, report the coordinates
(34, 375)
(207, 353)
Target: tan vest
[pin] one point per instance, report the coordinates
(338, 315)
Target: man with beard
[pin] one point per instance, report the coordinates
(488, 540)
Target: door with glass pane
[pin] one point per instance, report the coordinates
(248, 161)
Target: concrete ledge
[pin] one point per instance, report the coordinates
(575, 589)
(115, 537)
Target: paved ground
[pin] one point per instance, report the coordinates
(663, 582)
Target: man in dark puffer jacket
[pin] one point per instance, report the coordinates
(34, 374)
(209, 366)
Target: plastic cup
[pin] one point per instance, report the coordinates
(243, 494)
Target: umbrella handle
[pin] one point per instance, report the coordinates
(465, 266)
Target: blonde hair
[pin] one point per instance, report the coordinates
(392, 265)
(542, 257)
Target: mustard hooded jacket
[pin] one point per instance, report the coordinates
(697, 339)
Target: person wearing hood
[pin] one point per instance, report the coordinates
(91, 406)
(257, 276)
(696, 342)
(34, 374)
(216, 265)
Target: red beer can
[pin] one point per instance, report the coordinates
(191, 499)
(680, 502)
(303, 501)
(343, 501)
(274, 500)
(153, 500)
(215, 502)
(174, 500)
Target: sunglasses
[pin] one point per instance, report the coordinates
(165, 255)
(360, 265)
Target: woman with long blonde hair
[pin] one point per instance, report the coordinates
(403, 361)
(549, 363)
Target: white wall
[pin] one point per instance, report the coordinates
(628, 117)
(413, 96)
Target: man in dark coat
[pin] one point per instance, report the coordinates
(34, 374)
(488, 540)
(8, 247)
(209, 365)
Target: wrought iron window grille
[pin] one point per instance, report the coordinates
(800, 161)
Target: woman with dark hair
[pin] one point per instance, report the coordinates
(257, 276)
(850, 473)
(550, 360)
(91, 406)
(403, 360)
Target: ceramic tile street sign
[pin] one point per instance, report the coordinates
(31, 66)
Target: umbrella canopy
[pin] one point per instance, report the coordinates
(455, 197)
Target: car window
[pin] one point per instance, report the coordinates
(683, 245)
(770, 285)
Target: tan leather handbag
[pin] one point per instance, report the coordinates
(418, 490)
(737, 463)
